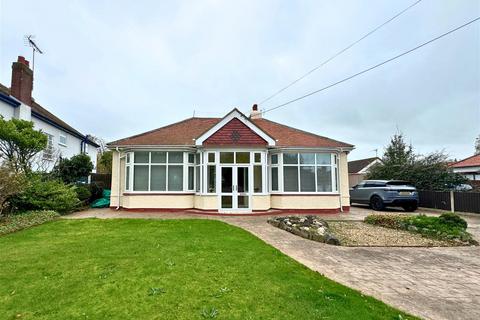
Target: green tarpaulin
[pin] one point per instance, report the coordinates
(104, 201)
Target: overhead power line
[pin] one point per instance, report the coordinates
(339, 53)
(373, 67)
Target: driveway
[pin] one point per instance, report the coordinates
(433, 283)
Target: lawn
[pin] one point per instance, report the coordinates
(173, 269)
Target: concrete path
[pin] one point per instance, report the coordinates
(433, 283)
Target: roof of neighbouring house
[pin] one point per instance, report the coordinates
(45, 115)
(357, 165)
(473, 161)
(185, 132)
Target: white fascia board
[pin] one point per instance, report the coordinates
(371, 164)
(235, 114)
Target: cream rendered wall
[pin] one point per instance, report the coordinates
(206, 202)
(156, 201)
(343, 177)
(305, 202)
(262, 202)
(116, 179)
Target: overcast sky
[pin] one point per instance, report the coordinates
(118, 68)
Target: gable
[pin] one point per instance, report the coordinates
(235, 133)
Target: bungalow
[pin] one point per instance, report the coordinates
(469, 167)
(358, 169)
(234, 164)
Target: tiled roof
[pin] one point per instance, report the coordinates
(473, 161)
(185, 132)
(357, 165)
(47, 115)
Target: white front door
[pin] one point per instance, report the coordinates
(234, 189)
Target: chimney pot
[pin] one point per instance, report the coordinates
(24, 61)
(255, 114)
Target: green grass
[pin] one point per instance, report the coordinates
(176, 269)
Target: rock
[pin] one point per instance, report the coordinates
(309, 227)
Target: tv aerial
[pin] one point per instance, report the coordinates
(29, 42)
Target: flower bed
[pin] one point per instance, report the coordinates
(21, 221)
(309, 227)
(448, 226)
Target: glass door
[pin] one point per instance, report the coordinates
(235, 194)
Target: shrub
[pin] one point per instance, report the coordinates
(41, 194)
(83, 192)
(75, 169)
(11, 183)
(386, 220)
(453, 219)
(447, 228)
(18, 222)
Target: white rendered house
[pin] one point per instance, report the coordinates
(63, 140)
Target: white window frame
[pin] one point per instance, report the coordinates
(64, 136)
(333, 165)
(131, 166)
(48, 152)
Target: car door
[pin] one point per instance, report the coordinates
(355, 192)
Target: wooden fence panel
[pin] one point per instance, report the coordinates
(105, 179)
(434, 199)
(467, 201)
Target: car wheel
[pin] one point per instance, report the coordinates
(377, 203)
(410, 207)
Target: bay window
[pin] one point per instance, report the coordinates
(160, 171)
(303, 172)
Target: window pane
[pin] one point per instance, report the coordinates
(191, 158)
(307, 178)
(128, 157)
(324, 179)
(227, 202)
(324, 158)
(307, 158)
(243, 157)
(141, 157)
(158, 179)
(175, 157)
(211, 174)
(226, 157)
(258, 157)
(257, 179)
(290, 158)
(127, 178)
(242, 201)
(175, 178)
(274, 159)
(274, 179)
(290, 178)
(211, 157)
(191, 173)
(197, 177)
(335, 186)
(159, 157)
(242, 180)
(197, 156)
(140, 178)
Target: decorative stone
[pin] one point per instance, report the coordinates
(309, 227)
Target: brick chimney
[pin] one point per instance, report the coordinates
(22, 81)
(255, 114)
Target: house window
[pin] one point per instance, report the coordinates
(304, 172)
(49, 150)
(160, 171)
(62, 140)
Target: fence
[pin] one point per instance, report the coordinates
(105, 179)
(450, 200)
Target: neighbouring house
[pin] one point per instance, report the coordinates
(63, 140)
(469, 167)
(234, 164)
(358, 169)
